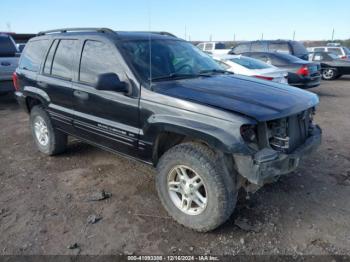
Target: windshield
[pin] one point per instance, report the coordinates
(250, 63)
(169, 57)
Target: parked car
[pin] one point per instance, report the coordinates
(301, 73)
(213, 47)
(8, 63)
(291, 47)
(247, 66)
(341, 51)
(20, 47)
(168, 104)
(332, 67)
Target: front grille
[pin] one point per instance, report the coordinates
(286, 134)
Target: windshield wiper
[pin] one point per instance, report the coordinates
(173, 76)
(215, 71)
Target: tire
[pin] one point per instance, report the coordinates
(52, 141)
(219, 186)
(329, 74)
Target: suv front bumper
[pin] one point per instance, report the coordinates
(267, 163)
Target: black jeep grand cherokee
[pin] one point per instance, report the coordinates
(158, 99)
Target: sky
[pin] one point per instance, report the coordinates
(192, 19)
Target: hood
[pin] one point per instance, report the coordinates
(259, 99)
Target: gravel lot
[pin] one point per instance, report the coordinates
(44, 207)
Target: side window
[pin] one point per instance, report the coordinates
(336, 51)
(33, 55)
(97, 58)
(201, 46)
(62, 65)
(241, 48)
(319, 49)
(48, 62)
(257, 47)
(279, 47)
(208, 47)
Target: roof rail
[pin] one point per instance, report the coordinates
(165, 33)
(65, 30)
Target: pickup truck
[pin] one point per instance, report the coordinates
(215, 48)
(8, 63)
(158, 99)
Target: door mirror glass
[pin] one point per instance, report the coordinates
(111, 82)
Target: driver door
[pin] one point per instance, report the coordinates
(106, 118)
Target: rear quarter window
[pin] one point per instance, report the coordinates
(279, 47)
(33, 55)
(241, 48)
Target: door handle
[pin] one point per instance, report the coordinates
(81, 95)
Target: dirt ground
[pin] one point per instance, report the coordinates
(44, 207)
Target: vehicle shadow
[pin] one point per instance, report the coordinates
(8, 101)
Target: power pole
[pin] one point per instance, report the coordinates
(262, 36)
(210, 37)
(185, 32)
(294, 35)
(234, 37)
(333, 35)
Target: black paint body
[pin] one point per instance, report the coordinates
(211, 109)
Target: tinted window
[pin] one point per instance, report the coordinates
(220, 46)
(33, 54)
(241, 48)
(48, 62)
(335, 50)
(97, 58)
(7, 46)
(258, 47)
(298, 48)
(63, 60)
(279, 47)
(250, 63)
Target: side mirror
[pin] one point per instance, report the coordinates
(111, 82)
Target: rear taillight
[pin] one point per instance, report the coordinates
(344, 57)
(15, 81)
(303, 71)
(265, 77)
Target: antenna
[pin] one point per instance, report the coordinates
(150, 42)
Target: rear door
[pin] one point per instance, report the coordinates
(56, 81)
(107, 118)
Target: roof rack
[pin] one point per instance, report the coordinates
(65, 30)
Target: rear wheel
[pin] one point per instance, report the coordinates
(195, 187)
(329, 74)
(49, 140)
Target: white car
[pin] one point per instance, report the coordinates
(213, 48)
(247, 66)
(341, 51)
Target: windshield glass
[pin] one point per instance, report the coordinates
(168, 57)
(250, 63)
(347, 51)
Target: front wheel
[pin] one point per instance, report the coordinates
(329, 74)
(194, 187)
